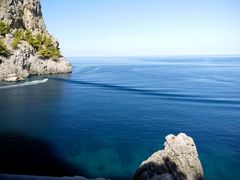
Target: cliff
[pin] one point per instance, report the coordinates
(26, 47)
(177, 161)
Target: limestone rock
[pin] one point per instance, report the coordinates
(178, 160)
(25, 61)
(24, 14)
(11, 78)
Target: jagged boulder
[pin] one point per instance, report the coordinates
(177, 161)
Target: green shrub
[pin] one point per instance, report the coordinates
(38, 41)
(45, 53)
(48, 42)
(51, 52)
(3, 49)
(4, 28)
(43, 44)
(15, 43)
(47, 48)
(55, 53)
(28, 37)
(18, 36)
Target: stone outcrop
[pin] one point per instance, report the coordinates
(177, 161)
(25, 61)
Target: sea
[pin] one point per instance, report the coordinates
(111, 113)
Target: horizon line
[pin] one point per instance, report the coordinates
(177, 55)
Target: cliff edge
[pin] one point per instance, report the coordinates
(26, 47)
(177, 161)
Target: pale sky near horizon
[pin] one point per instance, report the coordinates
(144, 27)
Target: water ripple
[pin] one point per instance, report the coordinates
(163, 95)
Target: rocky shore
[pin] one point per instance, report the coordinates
(177, 161)
(26, 47)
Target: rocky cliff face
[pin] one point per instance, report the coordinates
(29, 51)
(177, 161)
(23, 14)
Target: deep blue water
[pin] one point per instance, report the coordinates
(110, 114)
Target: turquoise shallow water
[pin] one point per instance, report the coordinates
(112, 113)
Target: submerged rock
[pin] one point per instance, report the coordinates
(25, 60)
(177, 161)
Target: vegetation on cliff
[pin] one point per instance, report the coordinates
(18, 36)
(3, 49)
(42, 43)
(4, 28)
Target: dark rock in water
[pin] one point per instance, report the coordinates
(178, 160)
(24, 59)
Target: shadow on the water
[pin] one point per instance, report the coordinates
(163, 94)
(24, 155)
(151, 170)
(21, 154)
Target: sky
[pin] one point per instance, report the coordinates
(144, 27)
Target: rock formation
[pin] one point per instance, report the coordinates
(178, 161)
(26, 48)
